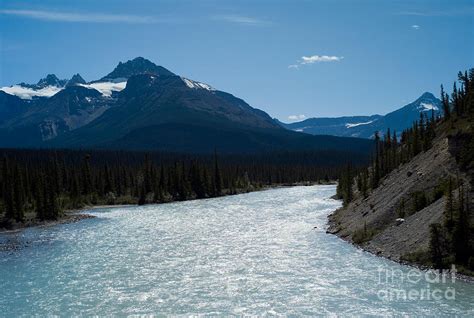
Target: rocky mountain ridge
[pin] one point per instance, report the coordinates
(140, 105)
(365, 126)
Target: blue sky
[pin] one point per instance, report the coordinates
(290, 58)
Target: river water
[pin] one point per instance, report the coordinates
(256, 253)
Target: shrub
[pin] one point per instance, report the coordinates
(363, 235)
(419, 201)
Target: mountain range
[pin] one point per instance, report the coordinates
(365, 126)
(143, 106)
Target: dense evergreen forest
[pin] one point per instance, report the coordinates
(453, 240)
(42, 184)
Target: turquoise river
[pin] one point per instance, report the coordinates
(261, 253)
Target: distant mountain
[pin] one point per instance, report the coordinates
(10, 107)
(49, 80)
(140, 105)
(76, 80)
(365, 126)
(133, 67)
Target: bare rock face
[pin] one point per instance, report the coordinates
(378, 215)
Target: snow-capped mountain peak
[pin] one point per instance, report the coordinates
(46, 87)
(365, 126)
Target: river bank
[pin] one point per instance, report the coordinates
(68, 217)
(76, 215)
(390, 222)
(334, 228)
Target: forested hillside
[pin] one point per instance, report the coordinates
(414, 203)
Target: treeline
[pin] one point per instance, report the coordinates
(41, 184)
(451, 242)
(389, 153)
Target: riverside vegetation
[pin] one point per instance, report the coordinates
(39, 185)
(451, 237)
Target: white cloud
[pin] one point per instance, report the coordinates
(81, 17)
(315, 59)
(415, 26)
(244, 20)
(320, 58)
(296, 117)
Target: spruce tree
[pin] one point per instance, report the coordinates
(450, 205)
(461, 230)
(217, 177)
(39, 199)
(445, 102)
(18, 195)
(8, 196)
(436, 245)
(376, 165)
(142, 197)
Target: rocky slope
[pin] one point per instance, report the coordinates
(376, 215)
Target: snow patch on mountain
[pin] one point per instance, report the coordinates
(351, 125)
(196, 85)
(28, 93)
(302, 129)
(106, 88)
(427, 107)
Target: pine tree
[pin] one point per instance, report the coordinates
(108, 181)
(8, 196)
(39, 199)
(217, 177)
(461, 230)
(365, 181)
(75, 193)
(348, 194)
(436, 245)
(450, 205)
(86, 176)
(18, 195)
(445, 102)
(147, 178)
(455, 100)
(197, 184)
(376, 165)
(142, 197)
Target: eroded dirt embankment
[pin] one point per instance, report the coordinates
(376, 215)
